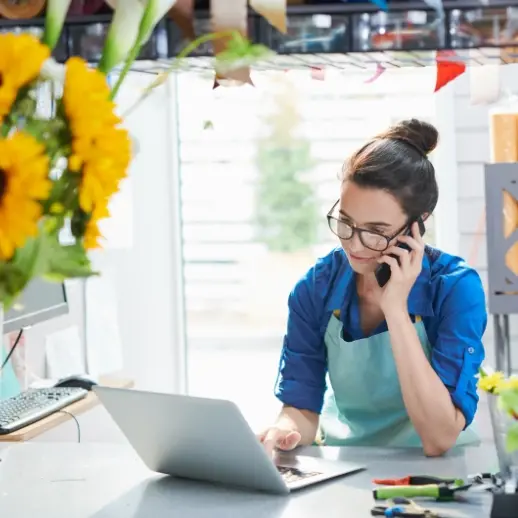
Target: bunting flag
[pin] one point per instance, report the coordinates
(484, 84)
(229, 16)
(379, 70)
(318, 73)
(449, 67)
(182, 13)
(274, 11)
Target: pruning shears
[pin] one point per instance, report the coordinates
(443, 489)
(403, 508)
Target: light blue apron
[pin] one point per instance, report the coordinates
(364, 404)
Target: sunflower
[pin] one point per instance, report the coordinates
(24, 183)
(92, 232)
(101, 148)
(21, 59)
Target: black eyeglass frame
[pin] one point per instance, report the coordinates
(360, 231)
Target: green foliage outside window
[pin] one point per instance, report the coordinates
(286, 215)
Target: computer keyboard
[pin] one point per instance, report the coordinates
(294, 475)
(35, 404)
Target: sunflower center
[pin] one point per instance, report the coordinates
(3, 183)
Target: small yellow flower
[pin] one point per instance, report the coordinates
(491, 382)
(24, 183)
(508, 384)
(21, 59)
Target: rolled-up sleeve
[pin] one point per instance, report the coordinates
(459, 351)
(302, 369)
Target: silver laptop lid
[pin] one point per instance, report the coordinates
(192, 437)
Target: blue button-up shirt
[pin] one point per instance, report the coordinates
(448, 295)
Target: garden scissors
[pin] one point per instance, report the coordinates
(403, 508)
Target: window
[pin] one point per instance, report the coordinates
(259, 171)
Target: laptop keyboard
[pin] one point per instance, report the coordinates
(291, 475)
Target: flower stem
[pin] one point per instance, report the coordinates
(160, 79)
(132, 56)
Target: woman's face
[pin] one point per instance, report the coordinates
(376, 212)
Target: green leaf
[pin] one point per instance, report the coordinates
(27, 262)
(240, 52)
(512, 439)
(68, 261)
(508, 400)
(12, 283)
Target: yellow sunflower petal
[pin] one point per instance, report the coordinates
(24, 168)
(101, 148)
(21, 59)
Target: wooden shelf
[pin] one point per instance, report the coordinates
(77, 408)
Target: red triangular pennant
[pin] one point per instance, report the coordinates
(447, 68)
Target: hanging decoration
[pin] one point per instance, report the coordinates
(182, 13)
(449, 67)
(484, 84)
(274, 11)
(379, 71)
(227, 17)
(318, 73)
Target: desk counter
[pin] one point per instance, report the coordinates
(109, 481)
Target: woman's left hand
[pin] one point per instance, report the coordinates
(403, 275)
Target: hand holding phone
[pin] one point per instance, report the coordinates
(383, 271)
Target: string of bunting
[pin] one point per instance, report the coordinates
(232, 16)
(229, 16)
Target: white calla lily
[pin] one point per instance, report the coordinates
(123, 32)
(155, 11)
(54, 19)
(126, 38)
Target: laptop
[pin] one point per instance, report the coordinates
(208, 440)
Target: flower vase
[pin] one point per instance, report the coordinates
(505, 504)
(501, 422)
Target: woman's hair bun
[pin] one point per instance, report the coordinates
(419, 134)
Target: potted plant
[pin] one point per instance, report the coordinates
(502, 394)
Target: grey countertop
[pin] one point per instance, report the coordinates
(95, 480)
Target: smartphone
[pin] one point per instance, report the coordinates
(383, 270)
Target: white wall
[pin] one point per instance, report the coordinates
(146, 276)
(472, 151)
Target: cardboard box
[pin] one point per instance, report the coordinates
(504, 137)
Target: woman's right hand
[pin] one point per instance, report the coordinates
(282, 438)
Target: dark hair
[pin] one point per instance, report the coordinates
(396, 161)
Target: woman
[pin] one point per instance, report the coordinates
(401, 359)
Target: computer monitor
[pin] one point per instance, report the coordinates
(40, 301)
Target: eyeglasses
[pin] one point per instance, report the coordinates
(369, 239)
